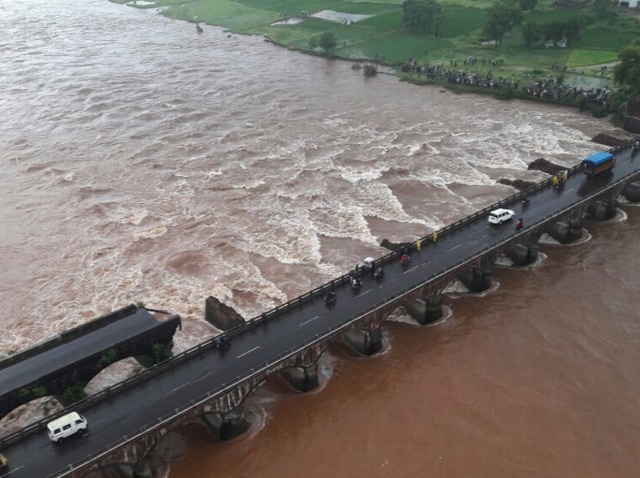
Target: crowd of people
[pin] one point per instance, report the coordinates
(550, 89)
(546, 88)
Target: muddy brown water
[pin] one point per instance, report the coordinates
(142, 161)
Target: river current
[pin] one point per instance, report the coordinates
(142, 161)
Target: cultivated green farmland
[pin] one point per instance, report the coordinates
(372, 30)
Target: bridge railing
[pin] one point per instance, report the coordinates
(279, 310)
(272, 313)
(289, 306)
(107, 393)
(394, 255)
(431, 238)
(226, 387)
(69, 335)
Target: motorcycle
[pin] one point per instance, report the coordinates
(525, 201)
(330, 299)
(221, 342)
(519, 224)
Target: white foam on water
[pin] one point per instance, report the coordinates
(505, 262)
(209, 178)
(457, 289)
(621, 216)
(550, 241)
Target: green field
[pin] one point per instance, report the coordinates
(381, 37)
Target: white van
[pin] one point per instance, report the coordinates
(66, 425)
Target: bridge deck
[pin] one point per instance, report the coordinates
(160, 396)
(66, 353)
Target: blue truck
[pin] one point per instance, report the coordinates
(598, 163)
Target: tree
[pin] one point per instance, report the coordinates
(627, 72)
(503, 15)
(573, 28)
(327, 41)
(531, 33)
(420, 15)
(553, 31)
(602, 9)
(528, 4)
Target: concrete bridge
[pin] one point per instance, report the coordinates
(64, 365)
(207, 383)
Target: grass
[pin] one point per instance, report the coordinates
(460, 21)
(603, 38)
(582, 58)
(382, 38)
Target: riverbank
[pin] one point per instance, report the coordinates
(576, 73)
(375, 32)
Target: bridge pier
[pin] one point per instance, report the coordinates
(221, 316)
(566, 231)
(121, 470)
(476, 279)
(226, 426)
(602, 209)
(365, 341)
(631, 191)
(425, 311)
(132, 470)
(523, 254)
(303, 379)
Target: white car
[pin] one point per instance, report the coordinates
(65, 426)
(498, 216)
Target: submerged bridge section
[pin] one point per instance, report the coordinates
(209, 383)
(65, 364)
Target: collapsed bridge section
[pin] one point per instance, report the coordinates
(64, 365)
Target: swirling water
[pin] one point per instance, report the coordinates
(144, 162)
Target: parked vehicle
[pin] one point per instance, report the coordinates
(499, 216)
(599, 163)
(66, 426)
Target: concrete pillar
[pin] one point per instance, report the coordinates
(365, 341)
(303, 379)
(220, 315)
(631, 191)
(141, 469)
(523, 254)
(425, 311)
(226, 426)
(120, 470)
(566, 231)
(476, 279)
(602, 210)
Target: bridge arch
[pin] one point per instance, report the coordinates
(63, 366)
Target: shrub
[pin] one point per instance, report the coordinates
(161, 352)
(109, 357)
(370, 70)
(74, 394)
(39, 391)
